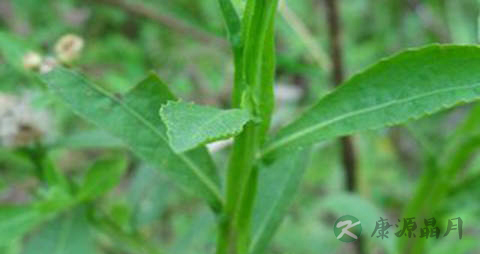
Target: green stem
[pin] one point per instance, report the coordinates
(239, 170)
(244, 213)
(252, 42)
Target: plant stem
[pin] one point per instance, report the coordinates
(252, 42)
(337, 73)
(242, 156)
(239, 170)
(348, 152)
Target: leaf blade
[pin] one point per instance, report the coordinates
(277, 185)
(233, 24)
(102, 176)
(190, 125)
(134, 120)
(69, 233)
(15, 221)
(406, 86)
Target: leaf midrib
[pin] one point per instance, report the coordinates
(292, 137)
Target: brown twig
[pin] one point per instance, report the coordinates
(163, 19)
(337, 73)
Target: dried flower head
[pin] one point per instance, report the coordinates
(20, 124)
(68, 47)
(32, 60)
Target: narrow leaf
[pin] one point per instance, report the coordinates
(69, 233)
(134, 119)
(277, 185)
(234, 29)
(190, 125)
(15, 221)
(53, 175)
(104, 174)
(406, 86)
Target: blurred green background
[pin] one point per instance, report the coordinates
(184, 42)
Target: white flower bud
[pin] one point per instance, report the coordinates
(32, 60)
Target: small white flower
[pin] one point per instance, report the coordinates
(68, 47)
(32, 60)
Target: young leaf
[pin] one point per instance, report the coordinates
(406, 86)
(234, 29)
(190, 125)
(69, 233)
(134, 119)
(53, 176)
(104, 174)
(15, 221)
(277, 185)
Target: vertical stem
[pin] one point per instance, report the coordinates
(240, 159)
(254, 57)
(239, 170)
(348, 152)
(337, 73)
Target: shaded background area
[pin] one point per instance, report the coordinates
(184, 42)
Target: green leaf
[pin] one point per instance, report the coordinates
(104, 174)
(53, 175)
(134, 119)
(15, 221)
(12, 50)
(232, 23)
(406, 86)
(148, 195)
(89, 139)
(196, 236)
(277, 185)
(190, 125)
(69, 233)
(234, 29)
(342, 203)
